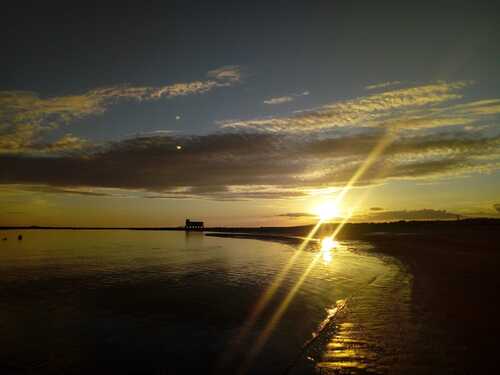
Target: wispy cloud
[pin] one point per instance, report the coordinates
(227, 73)
(285, 99)
(25, 117)
(383, 85)
(404, 107)
(279, 100)
(27, 138)
(93, 192)
(296, 215)
(423, 214)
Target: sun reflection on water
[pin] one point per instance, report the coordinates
(345, 353)
(327, 245)
(325, 213)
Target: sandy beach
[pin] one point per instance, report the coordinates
(454, 268)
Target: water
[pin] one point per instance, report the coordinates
(144, 302)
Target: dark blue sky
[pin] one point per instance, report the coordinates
(331, 48)
(287, 44)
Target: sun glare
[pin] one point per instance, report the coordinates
(327, 245)
(327, 211)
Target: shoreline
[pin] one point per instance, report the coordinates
(454, 269)
(284, 239)
(454, 289)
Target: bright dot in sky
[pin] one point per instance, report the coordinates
(177, 117)
(178, 147)
(327, 211)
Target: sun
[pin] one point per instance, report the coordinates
(327, 211)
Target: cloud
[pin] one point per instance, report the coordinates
(480, 107)
(423, 214)
(76, 191)
(227, 73)
(25, 117)
(251, 165)
(279, 100)
(283, 157)
(25, 139)
(67, 142)
(296, 215)
(284, 99)
(407, 148)
(376, 209)
(497, 207)
(406, 107)
(382, 85)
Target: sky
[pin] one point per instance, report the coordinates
(248, 113)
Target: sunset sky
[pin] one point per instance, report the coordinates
(248, 113)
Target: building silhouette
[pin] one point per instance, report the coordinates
(194, 225)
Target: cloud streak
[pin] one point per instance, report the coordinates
(296, 215)
(25, 117)
(284, 99)
(251, 165)
(279, 100)
(423, 214)
(278, 157)
(383, 85)
(404, 107)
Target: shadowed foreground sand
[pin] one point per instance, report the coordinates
(455, 290)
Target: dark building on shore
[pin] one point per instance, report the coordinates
(194, 225)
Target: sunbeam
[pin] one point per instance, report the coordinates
(282, 307)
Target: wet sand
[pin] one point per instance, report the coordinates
(455, 291)
(455, 287)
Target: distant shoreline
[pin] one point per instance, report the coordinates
(302, 230)
(86, 228)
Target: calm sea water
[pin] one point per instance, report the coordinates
(141, 302)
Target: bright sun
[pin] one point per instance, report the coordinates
(327, 211)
